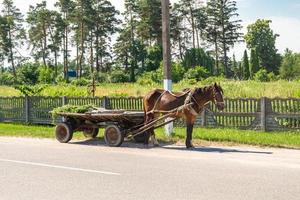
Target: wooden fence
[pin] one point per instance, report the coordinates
(257, 114)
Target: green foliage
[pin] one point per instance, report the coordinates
(154, 58)
(6, 78)
(198, 57)
(45, 75)
(60, 79)
(118, 76)
(71, 109)
(30, 90)
(150, 78)
(254, 63)
(262, 76)
(101, 78)
(198, 73)
(290, 67)
(81, 82)
(245, 66)
(261, 38)
(272, 76)
(223, 29)
(28, 73)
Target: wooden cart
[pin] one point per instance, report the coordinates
(118, 124)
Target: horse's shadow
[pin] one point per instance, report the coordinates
(170, 146)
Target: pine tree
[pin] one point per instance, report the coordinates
(245, 66)
(225, 26)
(254, 63)
(66, 8)
(39, 23)
(82, 19)
(213, 33)
(103, 26)
(150, 25)
(15, 32)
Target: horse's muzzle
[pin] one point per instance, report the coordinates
(220, 105)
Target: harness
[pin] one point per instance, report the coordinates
(188, 104)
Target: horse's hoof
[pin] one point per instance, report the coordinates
(190, 147)
(145, 146)
(156, 145)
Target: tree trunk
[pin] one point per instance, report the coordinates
(12, 55)
(55, 62)
(193, 26)
(97, 51)
(77, 59)
(45, 45)
(133, 59)
(81, 50)
(216, 56)
(66, 50)
(92, 55)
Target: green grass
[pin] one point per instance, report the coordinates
(244, 89)
(235, 136)
(225, 136)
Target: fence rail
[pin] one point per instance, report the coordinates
(245, 113)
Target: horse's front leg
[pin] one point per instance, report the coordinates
(189, 133)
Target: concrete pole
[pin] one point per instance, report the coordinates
(166, 53)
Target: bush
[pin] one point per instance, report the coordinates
(119, 76)
(46, 75)
(149, 78)
(101, 78)
(272, 77)
(60, 79)
(80, 82)
(6, 78)
(214, 79)
(198, 73)
(262, 76)
(28, 73)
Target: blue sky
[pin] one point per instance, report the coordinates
(251, 9)
(285, 15)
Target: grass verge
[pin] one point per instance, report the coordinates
(224, 136)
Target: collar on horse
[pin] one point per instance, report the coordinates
(190, 99)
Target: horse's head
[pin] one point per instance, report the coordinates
(218, 96)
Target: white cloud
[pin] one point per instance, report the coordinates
(289, 30)
(287, 27)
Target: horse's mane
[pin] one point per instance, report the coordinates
(209, 88)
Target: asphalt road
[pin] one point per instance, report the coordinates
(44, 169)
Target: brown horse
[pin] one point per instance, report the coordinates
(190, 102)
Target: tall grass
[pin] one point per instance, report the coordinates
(243, 89)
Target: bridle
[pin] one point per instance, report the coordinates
(215, 98)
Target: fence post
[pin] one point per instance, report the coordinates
(263, 114)
(105, 102)
(64, 100)
(203, 117)
(26, 109)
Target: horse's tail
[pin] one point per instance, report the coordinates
(144, 108)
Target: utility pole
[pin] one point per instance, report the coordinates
(166, 53)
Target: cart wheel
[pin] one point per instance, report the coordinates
(113, 136)
(91, 132)
(139, 138)
(63, 132)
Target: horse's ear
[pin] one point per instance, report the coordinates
(215, 84)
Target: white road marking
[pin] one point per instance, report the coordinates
(59, 167)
